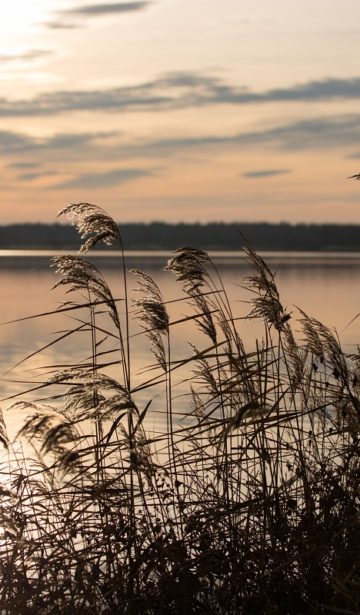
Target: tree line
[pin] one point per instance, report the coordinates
(211, 236)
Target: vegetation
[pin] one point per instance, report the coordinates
(211, 236)
(247, 502)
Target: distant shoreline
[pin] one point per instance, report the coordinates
(109, 259)
(161, 236)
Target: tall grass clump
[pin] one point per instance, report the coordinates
(243, 498)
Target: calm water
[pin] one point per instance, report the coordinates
(325, 286)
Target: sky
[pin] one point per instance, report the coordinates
(181, 110)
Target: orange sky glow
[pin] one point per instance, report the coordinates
(181, 110)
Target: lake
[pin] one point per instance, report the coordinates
(325, 286)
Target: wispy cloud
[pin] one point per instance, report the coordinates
(107, 8)
(110, 178)
(176, 91)
(260, 173)
(341, 130)
(59, 24)
(117, 99)
(75, 140)
(319, 133)
(36, 175)
(29, 55)
(15, 142)
(64, 19)
(25, 165)
(353, 156)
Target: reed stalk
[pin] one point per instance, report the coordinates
(247, 501)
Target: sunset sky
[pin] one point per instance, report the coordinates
(181, 110)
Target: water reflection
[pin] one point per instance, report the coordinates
(325, 286)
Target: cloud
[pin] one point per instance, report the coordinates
(176, 91)
(353, 156)
(318, 133)
(117, 99)
(74, 140)
(15, 143)
(25, 165)
(113, 177)
(30, 55)
(260, 173)
(107, 9)
(94, 10)
(61, 25)
(36, 175)
(326, 89)
(311, 134)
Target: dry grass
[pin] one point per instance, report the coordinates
(247, 503)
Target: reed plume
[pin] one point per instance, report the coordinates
(225, 481)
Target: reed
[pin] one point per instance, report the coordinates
(248, 501)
